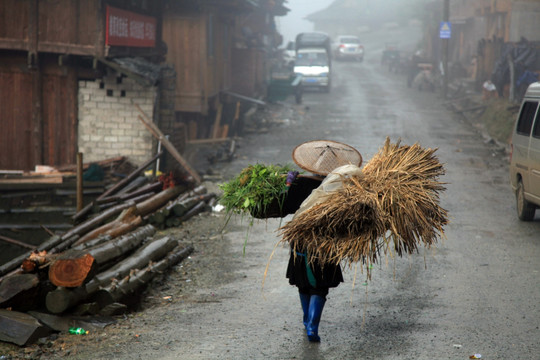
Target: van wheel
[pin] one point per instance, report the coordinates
(525, 209)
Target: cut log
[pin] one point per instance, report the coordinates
(20, 328)
(103, 253)
(64, 244)
(197, 209)
(94, 242)
(133, 185)
(138, 279)
(72, 269)
(62, 299)
(155, 202)
(151, 251)
(124, 223)
(149, 188)
(91, 224)
(182, 207)
(17, 288)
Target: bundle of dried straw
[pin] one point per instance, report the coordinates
(393, 207)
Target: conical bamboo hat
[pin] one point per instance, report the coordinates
(323, 156)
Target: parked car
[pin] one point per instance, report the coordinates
(348, 47)
(525, 155)
(289, 53)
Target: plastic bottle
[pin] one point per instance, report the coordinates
(78, 331)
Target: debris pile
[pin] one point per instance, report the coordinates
(99, 264)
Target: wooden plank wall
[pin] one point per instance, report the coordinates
(16, 117)
(59, 115)
(218, 65)
(14, 18)
(64, 26)
(31, 134)
(185, 42)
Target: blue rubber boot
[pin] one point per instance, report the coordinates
(316, 305)
(304, 300)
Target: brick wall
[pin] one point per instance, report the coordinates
(108, 123)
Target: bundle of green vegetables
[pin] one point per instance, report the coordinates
(257, 188)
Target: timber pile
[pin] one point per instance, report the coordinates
(100, 264)
(391, 207)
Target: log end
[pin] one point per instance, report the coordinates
(72, 272)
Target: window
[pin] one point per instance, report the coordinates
(312, 59)
(526, 118)
(536, 130)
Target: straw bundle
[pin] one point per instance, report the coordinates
(393, 206)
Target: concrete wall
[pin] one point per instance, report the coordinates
(108, 123)
(525, 21)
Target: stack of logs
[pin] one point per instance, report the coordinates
(98, 265)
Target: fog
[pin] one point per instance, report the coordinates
(374, 13)
(294, 23)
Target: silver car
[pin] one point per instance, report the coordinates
(348, 47)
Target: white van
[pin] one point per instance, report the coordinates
(525, 155)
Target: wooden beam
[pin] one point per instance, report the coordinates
(154, 130)
(17, 242)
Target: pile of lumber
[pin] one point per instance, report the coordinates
(392, 206)
(111, 253)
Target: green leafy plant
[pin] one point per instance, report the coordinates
(254, 190)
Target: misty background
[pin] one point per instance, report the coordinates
(373, 13)
(293, 23)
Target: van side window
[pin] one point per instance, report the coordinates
(536, 130)
(526, 118)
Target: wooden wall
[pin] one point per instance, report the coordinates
(16, 117)
(185, 39)
(37, 113)
(59, 26)
(203, 68)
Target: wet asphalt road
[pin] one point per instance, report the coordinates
(476, 292)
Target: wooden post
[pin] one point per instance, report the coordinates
(216, 128)
(154, 130)
(79, 181)
(236, 118)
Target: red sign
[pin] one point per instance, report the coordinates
(126, 28)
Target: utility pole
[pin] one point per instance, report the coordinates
(445, 43)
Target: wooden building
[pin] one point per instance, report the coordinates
(71, 72)
(219, 49)
(49, 50)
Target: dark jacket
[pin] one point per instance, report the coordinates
(326, 276)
